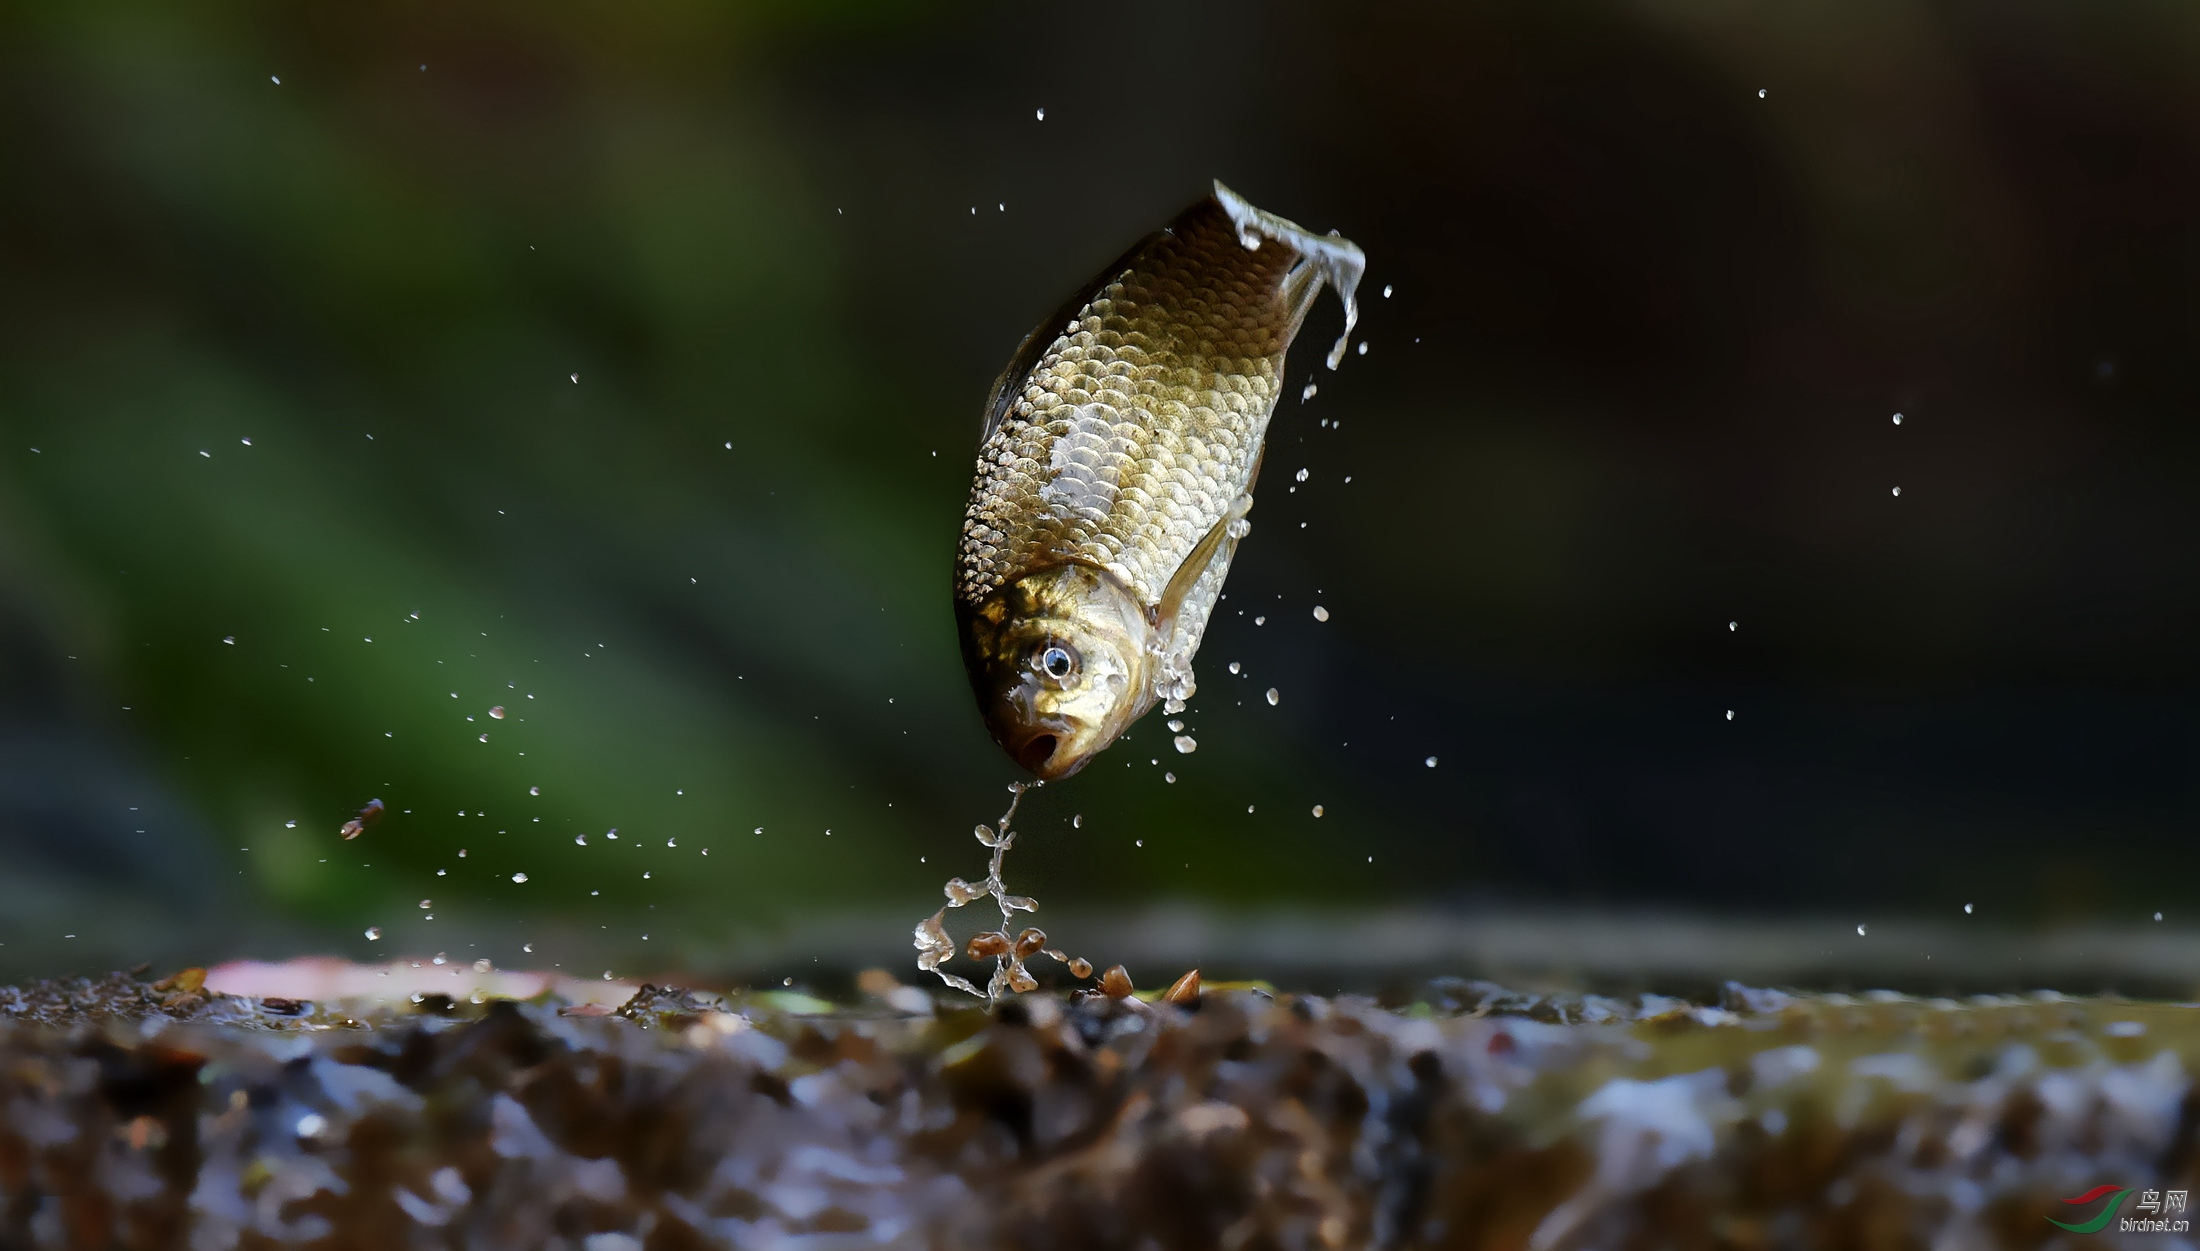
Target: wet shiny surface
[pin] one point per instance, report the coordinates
(1468, 1116)
(1125, 445)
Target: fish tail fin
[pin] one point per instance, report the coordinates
(1330, 259)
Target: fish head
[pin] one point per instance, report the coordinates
(1059, 661)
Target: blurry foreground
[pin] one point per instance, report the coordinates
(156, 1116)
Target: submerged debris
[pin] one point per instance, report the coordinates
(365, 817)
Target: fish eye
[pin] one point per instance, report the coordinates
(1058, 661)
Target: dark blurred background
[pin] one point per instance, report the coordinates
(364, 367)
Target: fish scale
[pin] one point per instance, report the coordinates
(1126, 434)
(1142, 423)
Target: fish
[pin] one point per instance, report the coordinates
(1115, 468)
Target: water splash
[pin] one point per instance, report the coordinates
(935, 947)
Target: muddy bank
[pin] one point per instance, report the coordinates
(155, 1114)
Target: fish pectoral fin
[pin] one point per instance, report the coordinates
(1216, 542)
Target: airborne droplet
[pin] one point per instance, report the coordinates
(1187, 744)
(519, 877)
(1430, 762)
(1320, 613)
(1317, 810)
(374, 933)
(1273, 697)
(497, 712)
(1302, 475)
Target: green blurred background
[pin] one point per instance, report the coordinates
(369, 366)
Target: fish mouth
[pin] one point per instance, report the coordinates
(1036, 752)
(1049, 754)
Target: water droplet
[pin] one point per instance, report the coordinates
(1248, 810)
(519, 877)
(1363, 347)
(1186, 744)
(273, 79)
(1386, 290)
(1138, 842)
(1077, 822)
(527, 947)
(575, 377)
(1080, 967)
(311, 1124)
(230, 639)
(1303, 473)
(534, 790)
(483, 965)
(1898, 492)
(1168, 777)
(1309, 393)
(1430, 762)
(2157, 916)
(497, 712)
(672, 842)
(1042, 115)
(1260, 621)
(1859, 931)
(1966, 909)
(374, 933)
(1320, 613)
(1760, 93)
(580, 840)
(1273, 697)
(484, 738)
(1730, 714)
(1235, 666)
(1898, 419)
(612, 834)
(290, 825)
(1317, 810)
(1176, 727)
(427, 903)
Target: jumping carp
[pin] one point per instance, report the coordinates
(1115, 468)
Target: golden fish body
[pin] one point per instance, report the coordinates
(1116, 468)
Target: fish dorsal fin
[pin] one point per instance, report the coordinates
(1325, 258)
(1042, 336)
